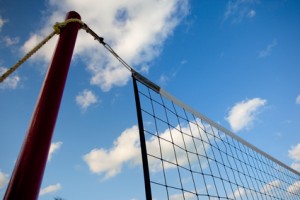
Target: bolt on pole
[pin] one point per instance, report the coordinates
(28, 173)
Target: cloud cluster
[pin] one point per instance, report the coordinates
(50, 189)
(135, 29)
(251, 13)
(238, 10)
(298, 99)
(242, 114)
(267, 189)
(294, 188)
(294, 154)
(10, 82)
(53, 148)
(3, 179)
(126, 149)
(238, 193)
(268, 50)
(2, 22)
(85, 99)
(184, 141)
(186, 196)
(296, 166)
(8, 41)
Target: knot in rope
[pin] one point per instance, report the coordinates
(58, 26)
(57, 30)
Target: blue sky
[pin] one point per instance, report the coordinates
(237, 62)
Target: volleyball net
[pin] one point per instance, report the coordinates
(187, 156)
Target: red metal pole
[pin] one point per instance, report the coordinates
(28, 173)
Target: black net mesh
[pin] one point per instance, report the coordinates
(189, 158)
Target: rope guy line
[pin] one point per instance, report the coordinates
(26, 57)
(57, 27)
(108, 47)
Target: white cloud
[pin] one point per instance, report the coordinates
(296, 166)
(237, 10)
(183, 62)
(135, 29)
(242, 114)
(50, 189)
(2, 22)
(294, 188)
(238, 193)
(187, 195)
(3, 179)
(177, 137)
(9, 41)
(298, 99)
(43, 54)
(53, 148)
(11, 82)
(268, 50)
(267, 188)
(126, 149)
(163, 79)
(166, 78)
(294, 152)
(85, 99)
(251, 13)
